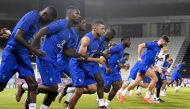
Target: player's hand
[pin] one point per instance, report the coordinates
(101, 60)
(108, 70)
(38, 52)
(81, 59)
(100, 65)
(139, 60)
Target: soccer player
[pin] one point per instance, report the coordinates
(58, 35)
(176, 76)
(168, 63)
(146, 61)
(83, 72)
(131, 78)
(63, 62)
(113, 78)
(109, 34)
(162, 64)
(15, 57)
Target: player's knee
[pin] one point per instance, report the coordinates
(100, 83)
(32, 86)
(92, 90)
(79, 91)
(136, 83)
(107, 90)
(54, 88)
(54, 94)
(116, 88)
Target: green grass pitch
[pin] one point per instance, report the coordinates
(173, 100)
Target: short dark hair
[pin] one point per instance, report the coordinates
(165, 37)
(53, 11)
(71, 8)
(125, 38)
(125, 54)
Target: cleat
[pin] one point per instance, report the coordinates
(157, 100)
(139, 94)
(19, 92)
(102, 107)
(106, 107)
(148, 100)
(121, 98)
(65, 104)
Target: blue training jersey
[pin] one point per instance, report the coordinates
(166, 64)
(116, 53)
(93, 46)
(58, 37)
(148, 57)
(29, 23)
(64, 59)
(178, 67)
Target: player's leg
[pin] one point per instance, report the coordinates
(115, 87)
(91, 88)
(163, 88)
(68, 99)
(77, 94)
(131, 86)
(26, 72)
(48, 99)
(100, 88)
(158, 87)
(132, 77)
(78, 77)
(151, 74)
(173, 78)
(179, 81)
(137, 81)
(68, 89)
(171, 82)
(8, 68)
(50, 76)
(123, 87)
(32, 87)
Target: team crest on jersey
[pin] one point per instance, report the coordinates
(60, 45)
